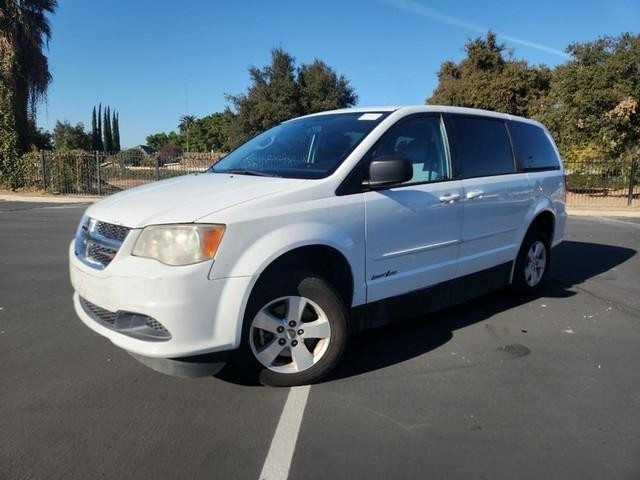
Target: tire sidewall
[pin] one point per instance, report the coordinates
(294, 283)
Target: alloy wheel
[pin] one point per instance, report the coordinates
(536, 263)
(290, 334)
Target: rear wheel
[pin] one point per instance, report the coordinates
(532, 263)
(294, 330)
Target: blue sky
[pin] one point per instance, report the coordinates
(155, 61)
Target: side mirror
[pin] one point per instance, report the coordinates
(389, 170)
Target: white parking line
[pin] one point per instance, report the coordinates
(276, 465)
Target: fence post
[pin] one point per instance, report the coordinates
(98, 173)
(43, 168)
(157, 168)
(632, 180)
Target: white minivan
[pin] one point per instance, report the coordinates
(320, 227)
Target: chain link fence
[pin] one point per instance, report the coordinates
(102, 173)
(590, 183)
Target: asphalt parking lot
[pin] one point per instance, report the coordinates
(502, 387)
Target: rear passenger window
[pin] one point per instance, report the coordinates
(482, 146)
(532, 147)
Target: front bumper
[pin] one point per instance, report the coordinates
(202, 315)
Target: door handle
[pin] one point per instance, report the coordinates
(474, 194)
(449, 197)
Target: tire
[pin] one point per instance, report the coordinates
(532, 263)
(278, 353)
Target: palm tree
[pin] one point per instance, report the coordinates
(185, 125)
(24, 70)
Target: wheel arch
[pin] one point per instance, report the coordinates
(321, 259)
(540, 216)
(306, 246)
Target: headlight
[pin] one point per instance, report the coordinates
(179, 244)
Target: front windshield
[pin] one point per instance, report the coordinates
(311, 147)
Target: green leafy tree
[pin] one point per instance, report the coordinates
(321, 88)
(210, 133)
(24, 69)
(280, 91)
(592, 105)
(69, 137)
(40, 138)
(272, 97)
(158, 140)
(490, 78)
(10, 173)
(24, 78)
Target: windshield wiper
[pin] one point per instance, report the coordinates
(245, 171)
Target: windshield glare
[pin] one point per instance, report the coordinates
(311, 147)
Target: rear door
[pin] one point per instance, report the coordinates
(495, 196)
(413, 230)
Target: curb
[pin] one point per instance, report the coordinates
(605, 212)
(14, 197)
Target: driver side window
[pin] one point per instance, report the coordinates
(421, 139)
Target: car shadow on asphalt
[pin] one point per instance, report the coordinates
(573, 263)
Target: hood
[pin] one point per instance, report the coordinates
(185, 199)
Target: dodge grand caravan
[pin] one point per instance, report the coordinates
(320, 227)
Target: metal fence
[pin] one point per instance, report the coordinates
(603, 183)
(590, 183)
(102, 173)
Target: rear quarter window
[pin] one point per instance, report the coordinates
(481, 145)
(533, 148)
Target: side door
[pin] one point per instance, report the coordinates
(495, 198)
(413, 229)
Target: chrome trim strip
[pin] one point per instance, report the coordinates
(487, 235)
(423, 248)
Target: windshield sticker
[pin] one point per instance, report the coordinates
(370, 116)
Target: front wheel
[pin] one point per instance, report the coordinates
(532, 263)
(294, 332)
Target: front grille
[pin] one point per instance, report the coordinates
(97, 243)
(100, 254)
(114, 232)
(131, 324)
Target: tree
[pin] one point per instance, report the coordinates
(205, 134)
(40, 139)
(108, 139)
(321, 88)
(94, 131)
(24, 78)
(185, 125)
(210, 133)
(68, 137)
(157, 140)
(281, 91)
(115, 131)
(487, 78)
(271, 98)
(592, 105)
(100, 144)
(24, 70)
